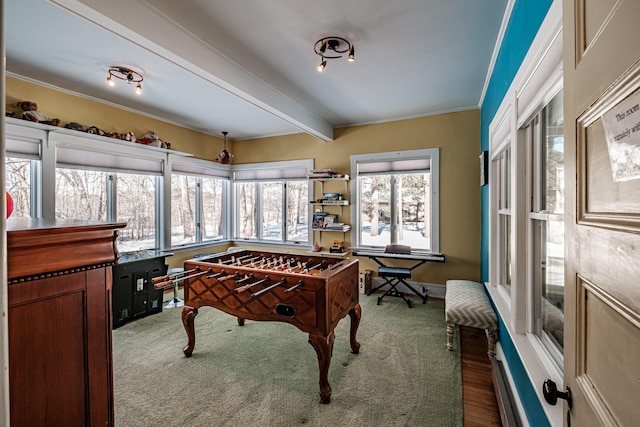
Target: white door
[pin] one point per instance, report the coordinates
(602, 312)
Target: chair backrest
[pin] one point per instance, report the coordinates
(398, 249)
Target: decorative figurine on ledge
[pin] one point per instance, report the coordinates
(31, 113)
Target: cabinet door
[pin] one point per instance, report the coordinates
(122, 298)
(59, 351)
(140, 294)
(154, 302)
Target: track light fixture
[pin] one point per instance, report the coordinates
(336, 46)
(126, 74)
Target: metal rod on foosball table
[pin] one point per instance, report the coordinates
(268, 288)
(179, 279)
(313, 268)
(213, 276)
(247, 277)
(240, 262)
(172, 276)
(250, 285)
(297, 285)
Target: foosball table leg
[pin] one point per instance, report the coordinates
(355, 314)
(188, 316)
(324, 349)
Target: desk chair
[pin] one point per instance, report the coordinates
(395, 276)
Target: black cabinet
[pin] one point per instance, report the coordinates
(133, 293)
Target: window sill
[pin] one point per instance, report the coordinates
(538, 367)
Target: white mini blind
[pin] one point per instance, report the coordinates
(296, 169)
(422, 165)
(74, 158)
(25, 149)
(200, 169)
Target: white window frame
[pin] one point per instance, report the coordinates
(538, 79)
(285, 171)
(198, 168)
(27, 143)
(433, 154)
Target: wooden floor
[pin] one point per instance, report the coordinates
(480, 406)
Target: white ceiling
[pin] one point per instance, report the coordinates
(248, 66)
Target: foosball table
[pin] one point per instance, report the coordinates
(313, 293)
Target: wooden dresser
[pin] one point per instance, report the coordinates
(59, 293)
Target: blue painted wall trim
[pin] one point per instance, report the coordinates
(526, 18)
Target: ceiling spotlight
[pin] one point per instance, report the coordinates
(126, 74)
(337, 45)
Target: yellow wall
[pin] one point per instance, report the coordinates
(456, 134)
(458, 137)
(71, 108)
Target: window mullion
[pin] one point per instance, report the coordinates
(198, 212)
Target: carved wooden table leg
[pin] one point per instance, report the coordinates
(240, 321)
(188, 316)
(324, 349)
(355, 313)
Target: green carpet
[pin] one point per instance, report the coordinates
(266, 373)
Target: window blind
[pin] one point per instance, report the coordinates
(273, 171)
(394, 166)
(202, 168)
(24, 149)
(75, 158)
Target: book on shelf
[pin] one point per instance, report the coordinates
(329, 219)
(326, 174)
(318, 220)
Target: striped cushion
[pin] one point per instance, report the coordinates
(466, 303)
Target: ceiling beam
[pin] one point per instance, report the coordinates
(145, 26)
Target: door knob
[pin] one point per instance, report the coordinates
(551, 393)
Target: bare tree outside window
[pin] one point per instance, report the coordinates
(81, 194)
(392, 210)
(135, 205)
(18, 185)
(297, 211)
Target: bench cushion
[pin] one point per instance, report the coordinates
(467, 304)
(394, 272)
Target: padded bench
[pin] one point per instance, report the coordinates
(467, 304)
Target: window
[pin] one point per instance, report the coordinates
(23, 163)
(199, 190)
(136, 205)
(396, 199)
(272, 202)
(545, 143)
(526, 214)
(503, 168)
(81, 194)
(102, 181)
(18, 185)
